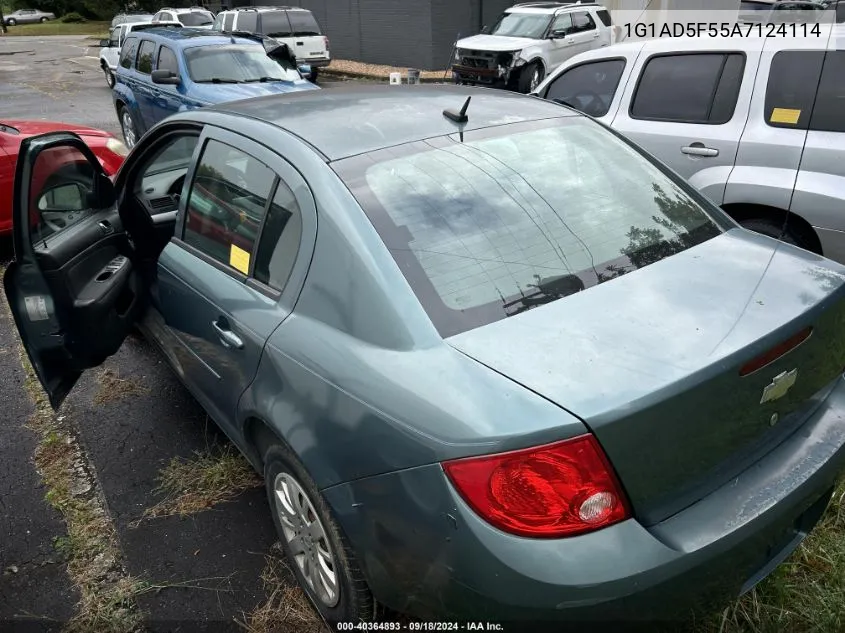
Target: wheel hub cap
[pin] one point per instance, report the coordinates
(306, 538)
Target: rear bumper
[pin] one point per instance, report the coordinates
(319, 62)
(425, 552)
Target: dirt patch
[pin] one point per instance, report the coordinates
(345, 67)
(193, 485)
(287, 608)
(112, 387)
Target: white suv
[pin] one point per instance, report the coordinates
(530, 40)
(195, 17)
(293, 26)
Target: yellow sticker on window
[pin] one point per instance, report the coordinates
(239, 259)
(785, 115)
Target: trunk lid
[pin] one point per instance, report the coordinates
(651, 361)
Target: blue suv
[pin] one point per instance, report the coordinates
(165, 70)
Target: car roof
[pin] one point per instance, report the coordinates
(186, 37)
(351, 120)
(548, 8)
(264, 9)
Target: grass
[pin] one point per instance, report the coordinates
(806, 594)
(286, 607)
(90, 547)
(112, 387)
(193, 485)
(97, 30)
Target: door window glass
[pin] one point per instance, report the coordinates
(226, 206)
(562, 24)
(227, 22)
(114, 38)
(829, 113)
(280, 239)
(127, 54)
(684, 88)
(167, 60)
(791, 90)
(582, 22)
(589, 87)
(161, 179)
(62, 180)
(145, 57)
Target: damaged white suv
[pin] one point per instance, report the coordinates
(530, 40)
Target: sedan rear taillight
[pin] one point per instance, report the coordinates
(556, 490)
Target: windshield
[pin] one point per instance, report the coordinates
(530, 25)
(195, 18)
(521, 215)
(235, 64)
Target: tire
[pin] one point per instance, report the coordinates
(530, 77)
(43, 20)
(11, 22)
(110, 80)
(127, 126)
(772, 228)
(353, 601)
(315, 72)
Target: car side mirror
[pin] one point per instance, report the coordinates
(70, 196)
(164, 76)
(105, 43)
(304, 70)
(557, 35)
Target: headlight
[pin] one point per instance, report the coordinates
(517, 59)
(117, 147)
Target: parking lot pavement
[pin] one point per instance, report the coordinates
(58, 78)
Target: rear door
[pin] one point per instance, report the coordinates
(820, 186)
(72, 287)
(223, 279)
(687, 109)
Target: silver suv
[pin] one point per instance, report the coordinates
(758, 125)
(530, 40)
(293, 26)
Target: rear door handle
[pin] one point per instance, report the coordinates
(227, 337)
(698, 149)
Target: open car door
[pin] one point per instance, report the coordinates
(72, 288)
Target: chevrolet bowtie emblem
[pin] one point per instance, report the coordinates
(780, 386)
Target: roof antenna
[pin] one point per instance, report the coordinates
(458, 117)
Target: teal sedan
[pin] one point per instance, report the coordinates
(494, 361)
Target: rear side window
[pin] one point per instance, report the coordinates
(840, 12)
(280, 239)
(248, 21)
(489, 224)
(145, 57)
(275, 24)
(128, 51)
(604, 16)
(303, 24)
(588, 87)
(227, 22)
(226, 205)
(696, 88)
(829, 111)
(791, 89)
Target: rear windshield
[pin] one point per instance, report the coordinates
(517, 216)
(195, 18)
(236, 64)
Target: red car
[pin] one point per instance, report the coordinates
(109, 150)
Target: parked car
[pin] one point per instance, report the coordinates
(195, 17)
(165, 70)
(28, 16)
(108, 150)
(123, 18)
(757, 124)
(110, 48)
(530, 40)
(293, 26)
(463, 390)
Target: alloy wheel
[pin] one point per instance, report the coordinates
(307, 539)
(128, 128)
